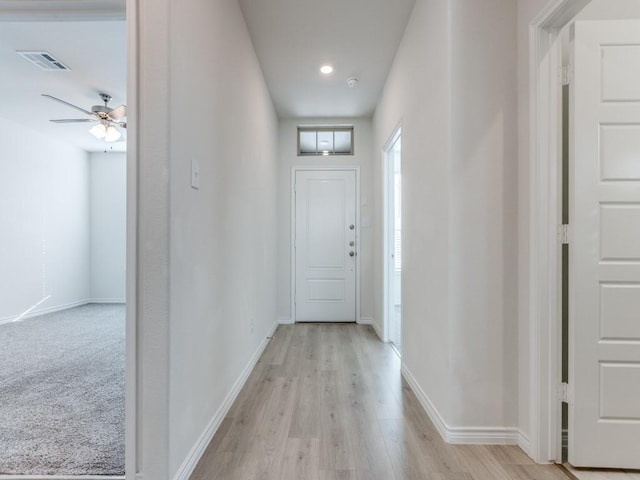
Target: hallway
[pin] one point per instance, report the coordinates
(327, 402)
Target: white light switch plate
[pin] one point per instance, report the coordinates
(195, 174)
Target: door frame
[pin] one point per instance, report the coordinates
(294, 171)
(545, 218)
(132, 362)
(387, 246)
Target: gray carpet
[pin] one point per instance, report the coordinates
(62, 393)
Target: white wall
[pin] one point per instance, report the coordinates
(483, 209)
(44, 216)
(417, 93)
(457, 106)
(108, 186)
(63, 222)
(288, 158)
(222, 268)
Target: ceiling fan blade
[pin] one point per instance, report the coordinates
(118, 112)
(74, 120)
(67, 104)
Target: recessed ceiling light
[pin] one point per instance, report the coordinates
(326, 69)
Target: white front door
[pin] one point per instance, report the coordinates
(604, 258)
(325, 244)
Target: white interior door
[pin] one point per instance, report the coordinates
(325, 246)
(604, 258)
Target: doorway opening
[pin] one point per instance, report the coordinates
(393, 240)
(584, 272)
(66, 321)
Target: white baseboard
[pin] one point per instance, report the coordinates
(483, 436)
(461, 435)
(107, 300)
(524, 443)
(189, 464)
(378, 330)
(365, 321)
(44, 311)
(431, 410)
(285, 321)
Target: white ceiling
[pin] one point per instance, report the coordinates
(293, 38)
(65, 10)
(95, 51)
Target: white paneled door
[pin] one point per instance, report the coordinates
(604, 322)
(325, 246)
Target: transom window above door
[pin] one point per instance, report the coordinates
(325, 141)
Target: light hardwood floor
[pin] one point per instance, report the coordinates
(327, 402)
(602, 474)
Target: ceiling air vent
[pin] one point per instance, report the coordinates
(44, 60)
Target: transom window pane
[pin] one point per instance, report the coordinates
(343, 143)
(308, 141)
(325, 141)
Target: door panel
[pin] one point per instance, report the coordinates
(604, 416)
(619, 82)
(616, 143)
(619, 307)
(620, 391)
(325, 224)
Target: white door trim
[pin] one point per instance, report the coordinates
(131, 338)
(545, 61)
(294, 170)
(387, 247)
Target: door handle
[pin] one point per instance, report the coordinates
(352, 253)
(352, 226)
(352, 243)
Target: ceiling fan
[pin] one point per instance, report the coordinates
(107, 118)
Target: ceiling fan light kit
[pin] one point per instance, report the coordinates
(98, 131)
(112, 134)
(108, 118)
(107, 132)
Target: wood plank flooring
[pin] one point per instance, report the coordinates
(602, 474)
(327, 402)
